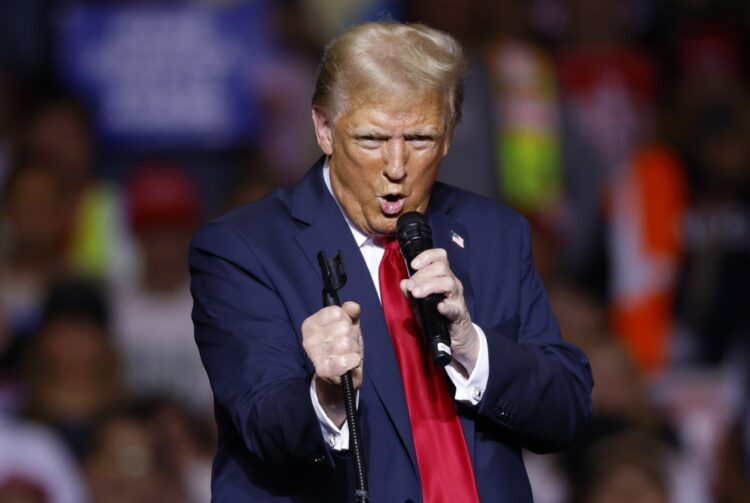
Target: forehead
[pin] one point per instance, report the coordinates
(416, 110)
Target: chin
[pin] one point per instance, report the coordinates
(386, 226)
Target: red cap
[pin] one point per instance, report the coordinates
(160, 194)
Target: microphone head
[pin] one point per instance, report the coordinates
(414, 234)
(410, 217)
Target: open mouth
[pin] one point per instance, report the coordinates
(392, 204)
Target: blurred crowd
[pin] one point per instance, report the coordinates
(619, 128)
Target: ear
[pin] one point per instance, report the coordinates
(323, 130)
(447, 143)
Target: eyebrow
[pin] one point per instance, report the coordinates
(424, 131)
(367, 133)
(378, 133)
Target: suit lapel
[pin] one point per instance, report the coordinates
(450, 235)
(329, 231)
(447, 234)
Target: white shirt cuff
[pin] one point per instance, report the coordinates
(337, 439)
(469, 390)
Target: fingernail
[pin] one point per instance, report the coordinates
(417, 290)
(416, 263)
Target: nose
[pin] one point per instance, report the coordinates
(395, 159)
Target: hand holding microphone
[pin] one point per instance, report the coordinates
(437, 294)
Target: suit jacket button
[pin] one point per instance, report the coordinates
(319, 458)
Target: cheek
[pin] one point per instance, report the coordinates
(360, 173)
(426, 176)
(359, 186)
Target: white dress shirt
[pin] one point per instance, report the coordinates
(469, 390)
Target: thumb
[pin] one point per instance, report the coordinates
(403, 286)
(353, 310)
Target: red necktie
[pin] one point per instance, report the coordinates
(444, 465)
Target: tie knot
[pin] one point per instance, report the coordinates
(387, 242)
(390, 243)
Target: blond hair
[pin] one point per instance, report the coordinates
(383, 60)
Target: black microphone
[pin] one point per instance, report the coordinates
(415, 236)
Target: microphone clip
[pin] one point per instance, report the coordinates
(334, 277)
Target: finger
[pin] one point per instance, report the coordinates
(450, 310)
(353, 310)
(323, 317)
(435, 269)
(442, 285)
(344, 345)
(327, 333)
(427, 257)
(340, 364)
(317, 342)
(404, 286)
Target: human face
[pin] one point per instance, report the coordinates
(384, 158)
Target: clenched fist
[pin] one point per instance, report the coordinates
(332, 339)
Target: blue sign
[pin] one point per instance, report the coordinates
(167, 75)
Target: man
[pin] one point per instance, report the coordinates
(387, 99)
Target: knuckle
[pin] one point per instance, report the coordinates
(342, 364)
(327, 314)
(342, 345)
(340, 328)
(328, 368)
(333, 313)
(310, 341)
(308, 324)
(353, 360)
(321, 368)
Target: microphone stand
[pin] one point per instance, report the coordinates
(334, 279)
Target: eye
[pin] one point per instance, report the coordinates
(420, 141)
(370, 141)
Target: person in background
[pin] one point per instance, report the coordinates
(33, 234)
(36, 467)
(125, 463)
(620, 464)
(151, 311)
(70, 369)
(185, 441)
(58, 133)
(712, 124)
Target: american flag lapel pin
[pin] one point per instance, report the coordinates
(457, 238)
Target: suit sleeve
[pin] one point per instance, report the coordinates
(539, 387)
(256, 366)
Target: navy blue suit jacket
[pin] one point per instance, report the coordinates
(255, 278)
